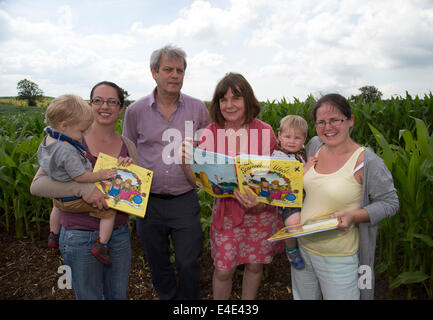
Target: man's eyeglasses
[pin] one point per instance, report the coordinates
(99, 102)
(332, 123)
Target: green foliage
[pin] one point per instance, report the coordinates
(206, 202)
(20, 135)
(408, 233)
(368, 94)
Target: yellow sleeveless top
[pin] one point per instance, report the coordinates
(325, 194)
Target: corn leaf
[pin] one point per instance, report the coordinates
(408, 278)
(423, 138)
(428, 240)
(387, 155)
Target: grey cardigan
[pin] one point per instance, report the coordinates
(379, 198)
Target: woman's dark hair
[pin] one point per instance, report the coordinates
(336, 100)
(240, 87)
(113, 85)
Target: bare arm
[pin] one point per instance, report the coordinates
(189, 174)
(100, 175)
(186, 156)
(310, 163)
(43, 186)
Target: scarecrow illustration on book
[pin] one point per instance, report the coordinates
(124, 187)
(271, 191)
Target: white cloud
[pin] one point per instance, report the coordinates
(339, 44)
(65, 17)
(284, 48)
(202, 71)
(61, 60)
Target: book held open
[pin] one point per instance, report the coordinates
(321, 224)
(274, 181)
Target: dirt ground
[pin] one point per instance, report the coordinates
(29, 271)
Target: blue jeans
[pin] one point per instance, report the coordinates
(91, 279)
(330, 278)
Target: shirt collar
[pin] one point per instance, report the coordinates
(180, 102)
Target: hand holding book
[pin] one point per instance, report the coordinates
(248, 200)
(320, 224)
(186, 151)
(124, 161)
(347, 218)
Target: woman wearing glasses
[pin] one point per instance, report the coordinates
(349, 182)
(92, 279)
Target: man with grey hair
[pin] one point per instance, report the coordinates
(173, 210)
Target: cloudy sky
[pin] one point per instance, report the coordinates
(285, 48)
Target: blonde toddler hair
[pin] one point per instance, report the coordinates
(294, 122)
(70, 108)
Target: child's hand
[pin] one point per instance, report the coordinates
(105, 174)
(312, 161)
(124, 161)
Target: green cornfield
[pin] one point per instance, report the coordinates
(398, 130)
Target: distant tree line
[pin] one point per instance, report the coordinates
(31, 92)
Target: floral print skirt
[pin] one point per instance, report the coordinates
(247, 242)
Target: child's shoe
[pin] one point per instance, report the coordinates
(101, 252)
(295, 258)
(53, 240)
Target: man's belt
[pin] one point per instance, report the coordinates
(165, 196)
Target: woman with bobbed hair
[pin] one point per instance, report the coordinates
(239, 227)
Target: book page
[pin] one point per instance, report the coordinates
(320, 225)
(215, 173)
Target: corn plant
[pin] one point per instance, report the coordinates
(20, 135)
(206, 202)
(409, 232)
(18, 166)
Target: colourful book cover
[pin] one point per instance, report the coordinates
(129, 190)
(321, 224)
(275, 181)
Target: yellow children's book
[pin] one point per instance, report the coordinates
(324, 223)
(274, 181)
(129, 190)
